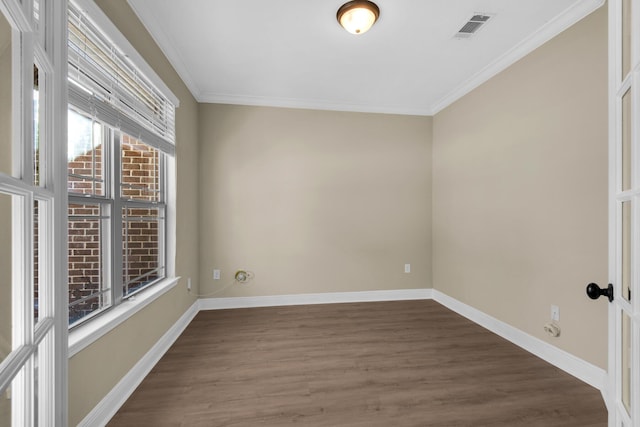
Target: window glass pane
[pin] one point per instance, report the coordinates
(626, 250)
(5, 96)
(626, 141)
(6, 256)
(36, 258)
(626, 37)
(85, 159)
(626, 362)
(88, 291)
(10, 414)
(143, 262)
(36, 125)
(37, 375)
(36, 10)
(5, 408)
(44, 386)
(140, 170)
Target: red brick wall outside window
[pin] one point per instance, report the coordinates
(140, 166)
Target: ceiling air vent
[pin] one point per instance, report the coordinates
(472, 26)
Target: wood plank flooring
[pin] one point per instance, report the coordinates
(406, 363)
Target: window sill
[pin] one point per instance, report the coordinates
(86, 334)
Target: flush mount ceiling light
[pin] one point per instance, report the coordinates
(358, 16)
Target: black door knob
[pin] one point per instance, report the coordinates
(594, 291)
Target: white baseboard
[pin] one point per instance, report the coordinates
(306, 299)
(109, 405)
(581, 369)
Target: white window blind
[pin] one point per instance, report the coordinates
(107, 85)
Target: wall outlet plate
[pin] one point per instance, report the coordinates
(407, 268)
(555, 313)
(216, 274)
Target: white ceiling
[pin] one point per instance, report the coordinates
(293, 53)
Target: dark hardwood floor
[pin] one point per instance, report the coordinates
(406, 363)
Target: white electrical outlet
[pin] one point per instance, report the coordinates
(407, 268)
(216, 274)
(555, 313)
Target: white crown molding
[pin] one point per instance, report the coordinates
(579, 368)
(569, 17)
(165, 44)
(215, 98)
(306, 299)
(109, 405)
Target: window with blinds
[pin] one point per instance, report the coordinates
(106, 84)
(120, 140)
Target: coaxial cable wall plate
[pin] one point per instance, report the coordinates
(241, 276)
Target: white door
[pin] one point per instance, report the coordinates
(624, 212)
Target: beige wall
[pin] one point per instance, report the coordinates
(313, 201)
(520, 191)
(95, 370)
